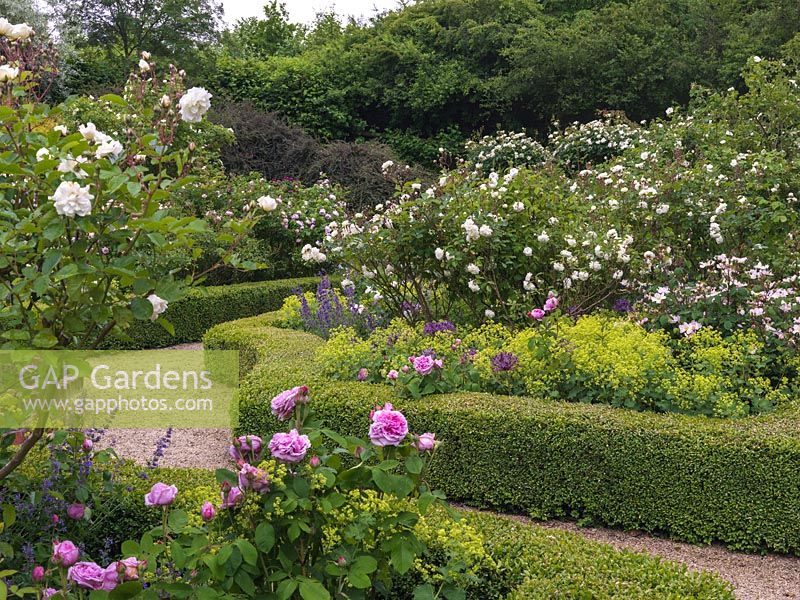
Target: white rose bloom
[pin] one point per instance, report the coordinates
(527, 251)
(347, 283)
(89, 131)
(109, 148)
(387, 165)
(518, 206)
(144, 66)
(473, 269)
(543, 238)
(268, 203)
(416, 186)
(662, 209)
(72, 165)
(194, 104)
(21, 32)
(159, 306)
(5, 27)
(439, 254)
(62, 129)
(70, 199)
(485, 231)
(595, 265)
(42, 154)
(473, 286)
(558, 267)
(145, 55)
(166, 101)
(489, 313)
(8, 73)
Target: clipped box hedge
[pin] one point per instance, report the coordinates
(692, 478)
(531, 562)
(204, 307)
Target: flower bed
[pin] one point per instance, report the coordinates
(523, 561)
(205, 307)
(694, 478)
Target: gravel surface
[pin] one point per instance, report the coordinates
(769, 577)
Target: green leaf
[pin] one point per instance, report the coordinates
(126, 590)
(9, 515)
(245, 582)
(364, 564)
(265, 537)
(130, 548)
(286, 588)
(177, 520)
(114, 99)
(402, 557)
(226, 475)
(249, 552)
(424, 592)
(414, 464)
(313, 590)
(3, 591)
(142, 309)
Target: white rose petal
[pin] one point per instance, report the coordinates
(194, 104)
(21, 32)
(159, 306)
(8, 73)
(70, 199)
(268, 203)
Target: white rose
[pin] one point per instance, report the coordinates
(144, 66)
(518, 206)
(159, 306)
(42, 153)
(8, 73)
(489, 313)
(70, 199)
(109, 148)
(21, 32)
(439, 253)
(5, 27)
(89, 131)
(527, 251)
(347, 283)
(387, 165)
(473, 286)
(145, 55)
(473, 269)
(62, 129)
(166, 101)
(543, 238)
(194, 104)
(485, 231)
(268, 203)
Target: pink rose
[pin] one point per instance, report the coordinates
(245, 444)
(536, 313)
(128, 568)
(253, 478)
(423, 364)
(426, 442)
(161, 494)
(362, 374)
(49, 592)
(37, 574)
(232, 497)
(290, 447)
(551, 304)
(314, 461)
(283, 404)
(393, 375)
(87, 445)
(208, 512)
(65, 554)
(76, 511)
(92, 576)
(389, 427)
(405, 369)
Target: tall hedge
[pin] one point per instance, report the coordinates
(204, 307)
(692, 478)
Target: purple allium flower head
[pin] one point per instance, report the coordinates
(435, 327)
(504, 361)
(622, 305)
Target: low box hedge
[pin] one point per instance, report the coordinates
(531, 562)
(692, 478)
(204, 307)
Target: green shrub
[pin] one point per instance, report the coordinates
(697, 479)
(204, 307)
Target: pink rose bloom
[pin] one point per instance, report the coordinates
(362, 374)
(536, 313)
(426, 442)
(92, 576)
(49, 592)
(232, 497)
(438, 363)
(244, 444)
(161, 494)
(393, 375)
(389, 427)
(405, 369)
(289, 447)
(551, 304)
(65, 554)
(54, 519)
(76, 511)
(87, 445)
(208, 512)
(422, 364)
(283, 404)
(253, 478)
(37, 574)
(315, 461)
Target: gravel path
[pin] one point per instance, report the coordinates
(770, 577)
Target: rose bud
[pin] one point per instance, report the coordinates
(37, 574)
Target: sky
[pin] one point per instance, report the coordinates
(303, 11)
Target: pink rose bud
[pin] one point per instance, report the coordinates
(76, 511)
(208, 512)
(537, 314)
(426, 442)
(362, 374)
(341, 561)
(54, 519)
(161, 494)
(315, 461)
(405, 369)
(551, 304)
(65, 554)
(393, 375)
(37, 574)
(49, 592)
(359, 451)
(87, 445)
